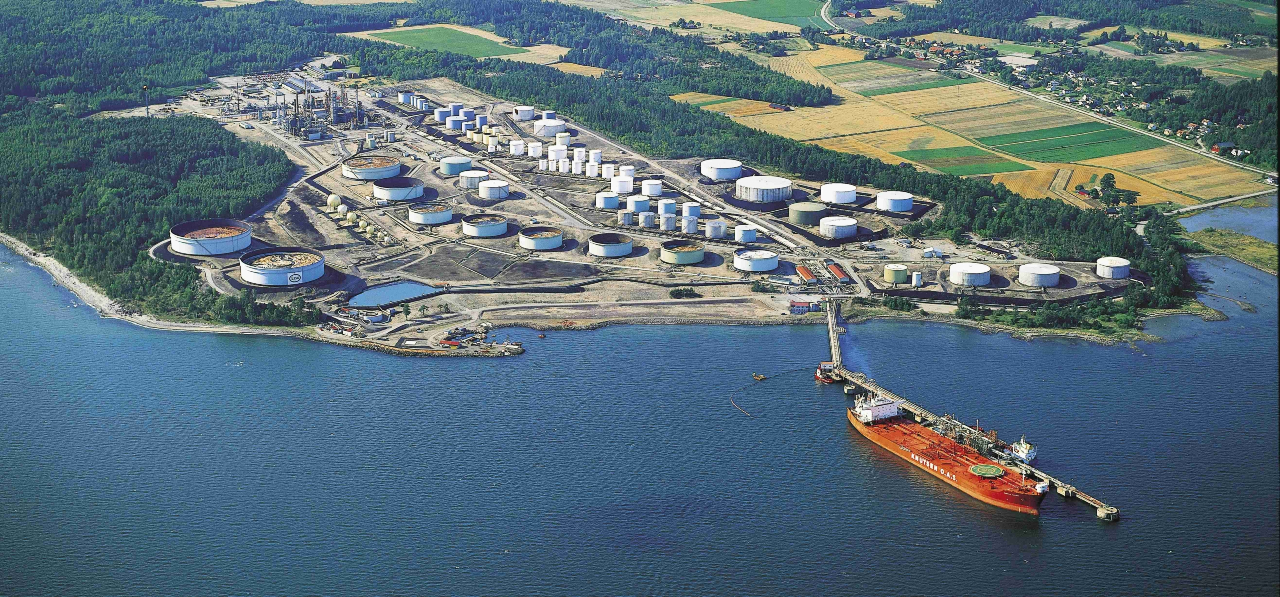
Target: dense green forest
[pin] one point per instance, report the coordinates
(1003, 19)
(208, 173)
(97, 193)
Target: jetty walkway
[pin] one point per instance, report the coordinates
(859, 383)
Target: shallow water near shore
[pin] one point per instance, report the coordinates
(1258, 222)
(145, 462)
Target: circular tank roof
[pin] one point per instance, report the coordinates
(474, 173)
(483, 219)
(540, 232)
(1039, 268)
(897, 267)
(839, 221)
(971, 268)
(453, 159)
(428, 209)
(721, 163)
(680, 245)
(764, 182)
(485, 184)
(755, 254)
(376, 161)
(281, 257)
(212, 228)
(894, 195)
(808, 206)
(396, 182)
(1113, 261)
(838, 187)
(610, 238)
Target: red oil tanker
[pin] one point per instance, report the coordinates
(878, 419)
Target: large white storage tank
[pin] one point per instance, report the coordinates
(763, 189)
(721, 169)
(517, 147)
(691, 209)
(430, 215)
(609, 244)
(838, 227)
(541, 238)
(839, 192)
(895, 201)
(667, 222)
(744, 233)
(755, 260)
(522, 113)
(606, 200)
(651, 188)
(210, 237)
(682, 252)
(626, 217)
(970, 274)
(1040, 275)
(281, 266)
(471, 179)
(622, 184)
(1113, 268)
(484, 225)
(648, 219)
(535, 149)
(454, 165)
(667, 206)
(716, 229)
(548, 128)
(397, 188)
(494, 189)
(627, 170)
(370, 167)
(638, 203)
(689, 224)
(557, 152)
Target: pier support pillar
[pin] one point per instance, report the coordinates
(1108, 514)
(1066, 491)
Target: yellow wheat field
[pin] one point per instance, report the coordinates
(798, 68)
(916, 137)
(949, 99)
(1205, 42)
(958, 38)
(696, 98)
(1186, 172)
(579, 69)
(828, 55)
(853, 116)
(741, 108)
(1013, 117)
(851, 144)
(1034, 184)
(708, 15)
(1148, 193)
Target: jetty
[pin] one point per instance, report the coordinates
(857, 383)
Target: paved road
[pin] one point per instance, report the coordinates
(1117, 123)
(1219, 202)
(826, 10)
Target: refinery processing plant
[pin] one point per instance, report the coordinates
(476, 203)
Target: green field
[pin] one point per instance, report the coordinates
(452, 40)
(1071, 143)
(800, 13)
(1060, 131)
(1023, 49)
(1120, 45)
(723, 100)
(962, 161)
(943, 82)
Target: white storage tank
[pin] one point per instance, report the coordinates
(667, 222)
(454, 123)
(1039, 275)
(397, 188)
(626, 170)
(651, 188)
(455, 108)
(542, 165)
(691, 209)
(579, 154)
(210, 237)
(333, 202)
(622, 184)
(548, 114)
(763, 189)
(482, 121)
(563, 166)
(609, 244)
(744, 233)
(454, 165)
(716, 229)
(626, 217)
(548, 128)
(895, 201)
(541, 238)
(468, 113)
(682, 252)
(564, 138)
(689, 224)
(522, 113)
(576, 167)
(494, 189)
(471, 179)
(281, 266)
(917, 279)
(970, 274)
(517, 147)
(606, 200)
(484, 225)
(595, 156)
(839, 192)
(721, 169)
(648, 219)
(557, 152)
(370, 167)
(442, 115)
(535, 149)
(1113, 268)
(755, 260)
(430, 215)
(837, 227)
(593, 170)
(405, 97)
(667, 206)
(608, 170)
(638, 203)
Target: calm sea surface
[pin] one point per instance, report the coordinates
(138, 462)
(1258, 222)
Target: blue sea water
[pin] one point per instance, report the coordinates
(1259, 222)
(142, 462)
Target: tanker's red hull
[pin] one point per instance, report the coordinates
(949, 461)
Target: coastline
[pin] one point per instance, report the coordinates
(107, 308)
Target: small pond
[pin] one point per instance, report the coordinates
(393, 293)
